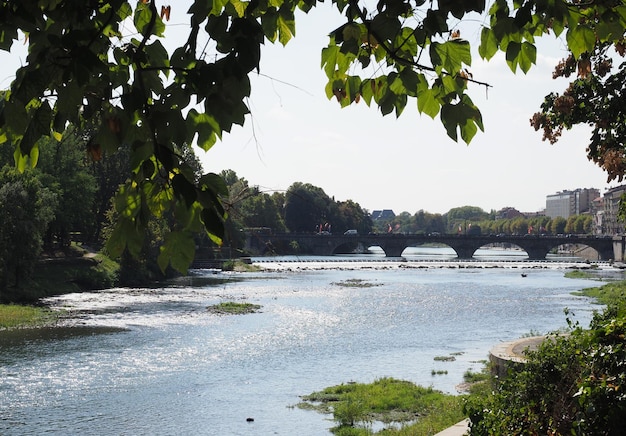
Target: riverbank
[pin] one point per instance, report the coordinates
(74, 269)
(20, 316)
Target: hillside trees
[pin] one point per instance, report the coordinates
(249, 208)
(65, 170)
(104, 65)
(26, 208)
(307, 208)
(464, 217)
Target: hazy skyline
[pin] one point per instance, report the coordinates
(295, 134)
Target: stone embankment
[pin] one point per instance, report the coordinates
(502, 357)
(509, 354)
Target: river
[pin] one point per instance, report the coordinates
(156, 362)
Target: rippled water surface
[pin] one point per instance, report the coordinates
(155, 361)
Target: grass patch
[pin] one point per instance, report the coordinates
(238, 265)
(579, 274)
(444, 358)
(232, 308)
(356, 283)
(16, 316)
(612, 294)
(476, 377)
(401, 406)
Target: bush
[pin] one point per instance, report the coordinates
(571, 385)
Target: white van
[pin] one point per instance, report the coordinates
(351, 232)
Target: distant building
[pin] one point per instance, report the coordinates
(567, 203)
(508, 213)
(611, 225)
(597, 213)
(385, 214)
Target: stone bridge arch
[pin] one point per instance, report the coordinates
(537, 247)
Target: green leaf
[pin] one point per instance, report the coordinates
(157, 55)
(387, 103)
(238, 7)
(580, 39)
(351, 31)
(527, 56)
(213, 223)
(40, 125)
(464, 116)
(513, 50)
(178, 250)
(450, 55)
(142, 20)
(353, 87)
(125, 235)
(329, 60)
(21, 161)
(367, 90)
(488, 43)
(127, 202)
(184, 188)
(286, 25)
(428, 103)
(206, 126)
(410, 80)
(269, 23)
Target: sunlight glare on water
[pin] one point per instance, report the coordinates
(156, 361)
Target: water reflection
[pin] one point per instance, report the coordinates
(155, 361)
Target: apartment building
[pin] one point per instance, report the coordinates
(566, 203)
(609, 221)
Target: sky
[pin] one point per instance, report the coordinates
(407, 164)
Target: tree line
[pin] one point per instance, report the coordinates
(305, 208)
(104, 67)
(71, 197)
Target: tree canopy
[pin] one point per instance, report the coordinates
(103, 68)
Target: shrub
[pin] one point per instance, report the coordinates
(572, 384)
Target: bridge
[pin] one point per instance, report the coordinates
(537, 247)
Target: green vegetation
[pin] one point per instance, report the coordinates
(102, 69)
(476, 377)
(573, 384)
(580, 274)
(444, 358)
(239, 266)
(613, 295)
(356, 283)
(473, 220)
(404, 408)
(74, 271)
(233, 308)
(13, 316)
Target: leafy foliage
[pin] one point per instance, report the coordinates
(309, 209)
(26, 208)
(573, 384)
(103, 68)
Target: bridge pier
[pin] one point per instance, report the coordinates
(392, 249)
(536, 253)
(464, 252)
